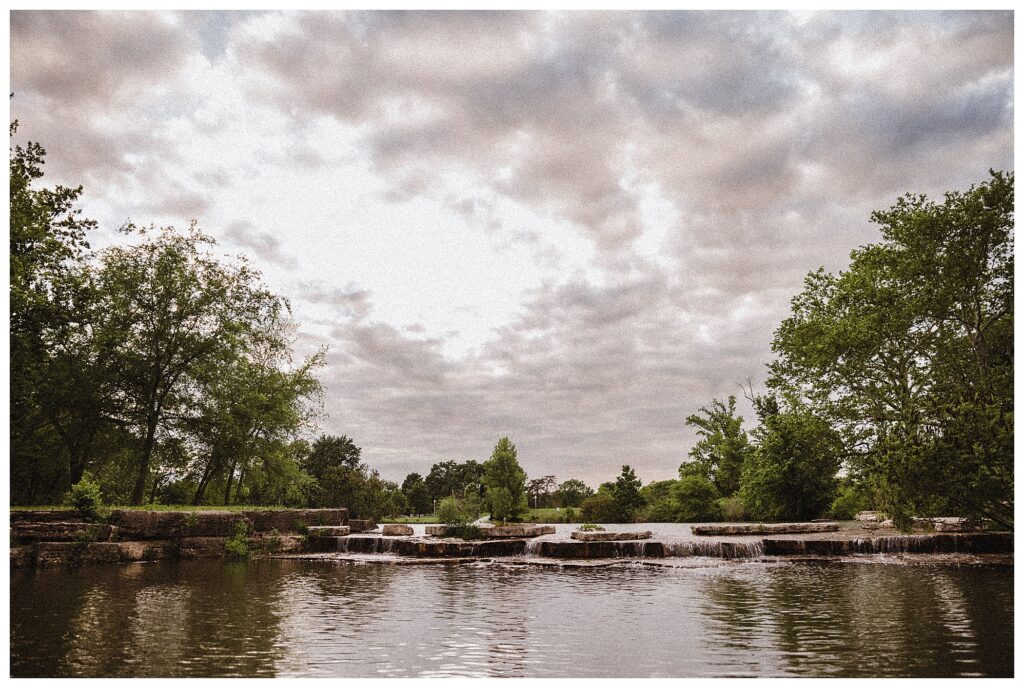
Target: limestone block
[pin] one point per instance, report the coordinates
(58, 531)
(333, 531)
(361, 525)
(606, 536)
(764, 528)
(75, 553)
(45, 515)
(397, 529)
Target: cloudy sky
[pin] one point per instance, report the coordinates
(572, 229)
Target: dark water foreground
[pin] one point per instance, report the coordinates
(345, 618)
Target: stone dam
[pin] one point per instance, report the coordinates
(63, 537)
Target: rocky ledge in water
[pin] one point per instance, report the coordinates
(418, 547)
(765, 528)
(64, 537)
(605, 536)
(520, 530)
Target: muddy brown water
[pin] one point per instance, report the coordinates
(878, 616)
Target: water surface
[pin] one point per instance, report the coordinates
(345, 618)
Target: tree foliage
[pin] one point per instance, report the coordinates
(572, 492)
(505, 481)
(909, 354)
(723, 445)
(791, 475)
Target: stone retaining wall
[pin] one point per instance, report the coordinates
(47, 538)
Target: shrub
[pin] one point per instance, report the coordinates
(570, 515)
(501, 503)
(466, 532)
(851, 499)
(451, 513)
(791, 476)
(696, 500)
(731, 508)
(272, 543)
(237, 546)
(600, 507)
(85, 497)
(590, 526)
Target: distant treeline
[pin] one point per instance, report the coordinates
(162, 373)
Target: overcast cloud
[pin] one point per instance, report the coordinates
(573, 229)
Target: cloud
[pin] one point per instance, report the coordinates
(650, 189)
(263, 244)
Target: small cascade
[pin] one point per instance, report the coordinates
(721, 550)
(532, 548)
(364, 544)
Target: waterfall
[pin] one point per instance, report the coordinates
(532, 548)
(722, 550)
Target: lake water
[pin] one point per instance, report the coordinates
(345, 618)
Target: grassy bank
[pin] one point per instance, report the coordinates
(428, 518)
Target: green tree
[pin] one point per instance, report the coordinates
(601, 507)
(572, 492)
(56, 409)
(697, 499)
(449, 478)
(502, 472)
(415, 491)
(723, 445)
(539, 491)
(171, 310)
(249, 411)
(791, 475)
(909, 354)
(626, 493)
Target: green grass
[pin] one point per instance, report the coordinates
(429, 518)
(548, 516)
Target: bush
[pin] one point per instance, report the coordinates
(851, 499)
(600, 507)
(237, 546)
(468, 532)
(791, 476)
(731, 508)
(501, 503)
(696, 498)
(586, 527)
(85, 497)
(452, 514)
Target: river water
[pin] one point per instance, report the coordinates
(363, 618)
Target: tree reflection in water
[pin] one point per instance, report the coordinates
(345, 618)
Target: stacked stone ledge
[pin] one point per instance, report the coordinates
(62, 537)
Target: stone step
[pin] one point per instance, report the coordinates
(605, 536)
(764, 528)
(392, 529)
(361, 525)
(57, 531)
(330, 531)
(525, 530)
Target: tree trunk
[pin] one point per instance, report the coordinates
(205, 480)
(238, 489)
(147, 452)
(227, 487)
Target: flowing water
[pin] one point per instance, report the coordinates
(682, 617)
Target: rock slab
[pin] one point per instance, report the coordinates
(765, 528)
(392, 529)
(605, 536)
